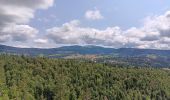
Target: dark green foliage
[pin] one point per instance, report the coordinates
(39, 78)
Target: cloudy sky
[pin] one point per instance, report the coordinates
(111, 23)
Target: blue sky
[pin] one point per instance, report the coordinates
(53, 23)
(121, 13)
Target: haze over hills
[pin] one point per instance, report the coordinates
(89, 49)
(122, 56)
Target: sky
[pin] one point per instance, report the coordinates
(110, 23)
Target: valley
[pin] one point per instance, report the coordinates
(122, 56)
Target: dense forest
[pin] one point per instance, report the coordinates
(40, 78)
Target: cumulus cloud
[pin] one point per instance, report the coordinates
(72, 33)
(16, 14)
(19, 32)
(155, 34)
(14, 17)
(93, 14)
(41, 41)
(28, 3)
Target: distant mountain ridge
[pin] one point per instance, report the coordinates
(76, 49)
(122, 56)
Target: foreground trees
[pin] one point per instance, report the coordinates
(39, 78)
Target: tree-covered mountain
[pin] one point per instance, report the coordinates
(124, 52)
(40, 78)
(122, 56)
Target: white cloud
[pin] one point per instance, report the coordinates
(93, 14)
(22, 46)
(41, 41)
(43, 4)
(72, 33)
(155, 34)
(20, 32)
(15, 15)
(4, 38)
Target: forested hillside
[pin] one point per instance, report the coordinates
(39, 78)
(88, 49)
